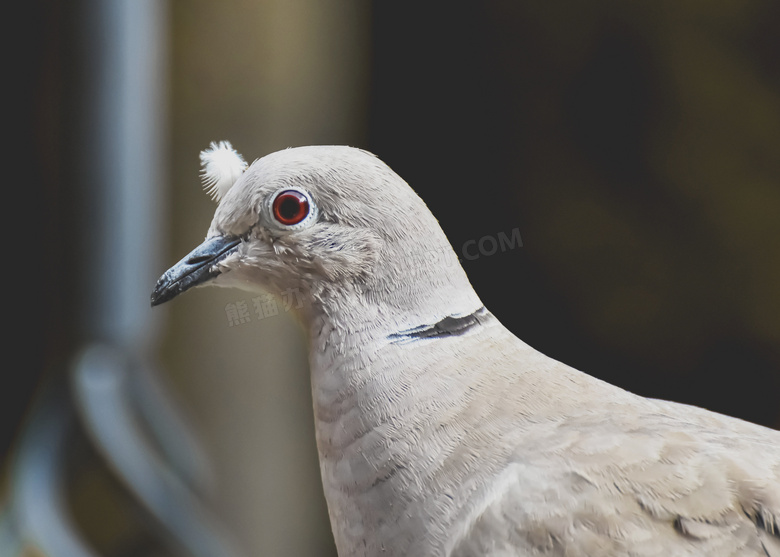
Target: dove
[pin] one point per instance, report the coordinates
(439, 432)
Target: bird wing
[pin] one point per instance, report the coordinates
(652, 478)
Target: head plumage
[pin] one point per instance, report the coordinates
(221, 167)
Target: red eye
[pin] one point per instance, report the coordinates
(290, 207)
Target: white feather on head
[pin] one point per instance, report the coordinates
(221, 167)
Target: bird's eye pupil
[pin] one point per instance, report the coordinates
(290, 207)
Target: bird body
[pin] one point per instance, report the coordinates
(487, 447)
(441, 433)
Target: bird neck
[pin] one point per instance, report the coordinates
(400, 295)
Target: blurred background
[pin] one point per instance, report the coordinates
(635, 146)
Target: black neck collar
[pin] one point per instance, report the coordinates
(447, 327)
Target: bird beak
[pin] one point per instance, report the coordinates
(197, 268)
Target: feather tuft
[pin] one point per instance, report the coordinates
(221, 167)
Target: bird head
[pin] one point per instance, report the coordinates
(334, 222)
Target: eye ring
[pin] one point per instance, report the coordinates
(291, 207)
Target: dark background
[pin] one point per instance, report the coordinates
(636, 147)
